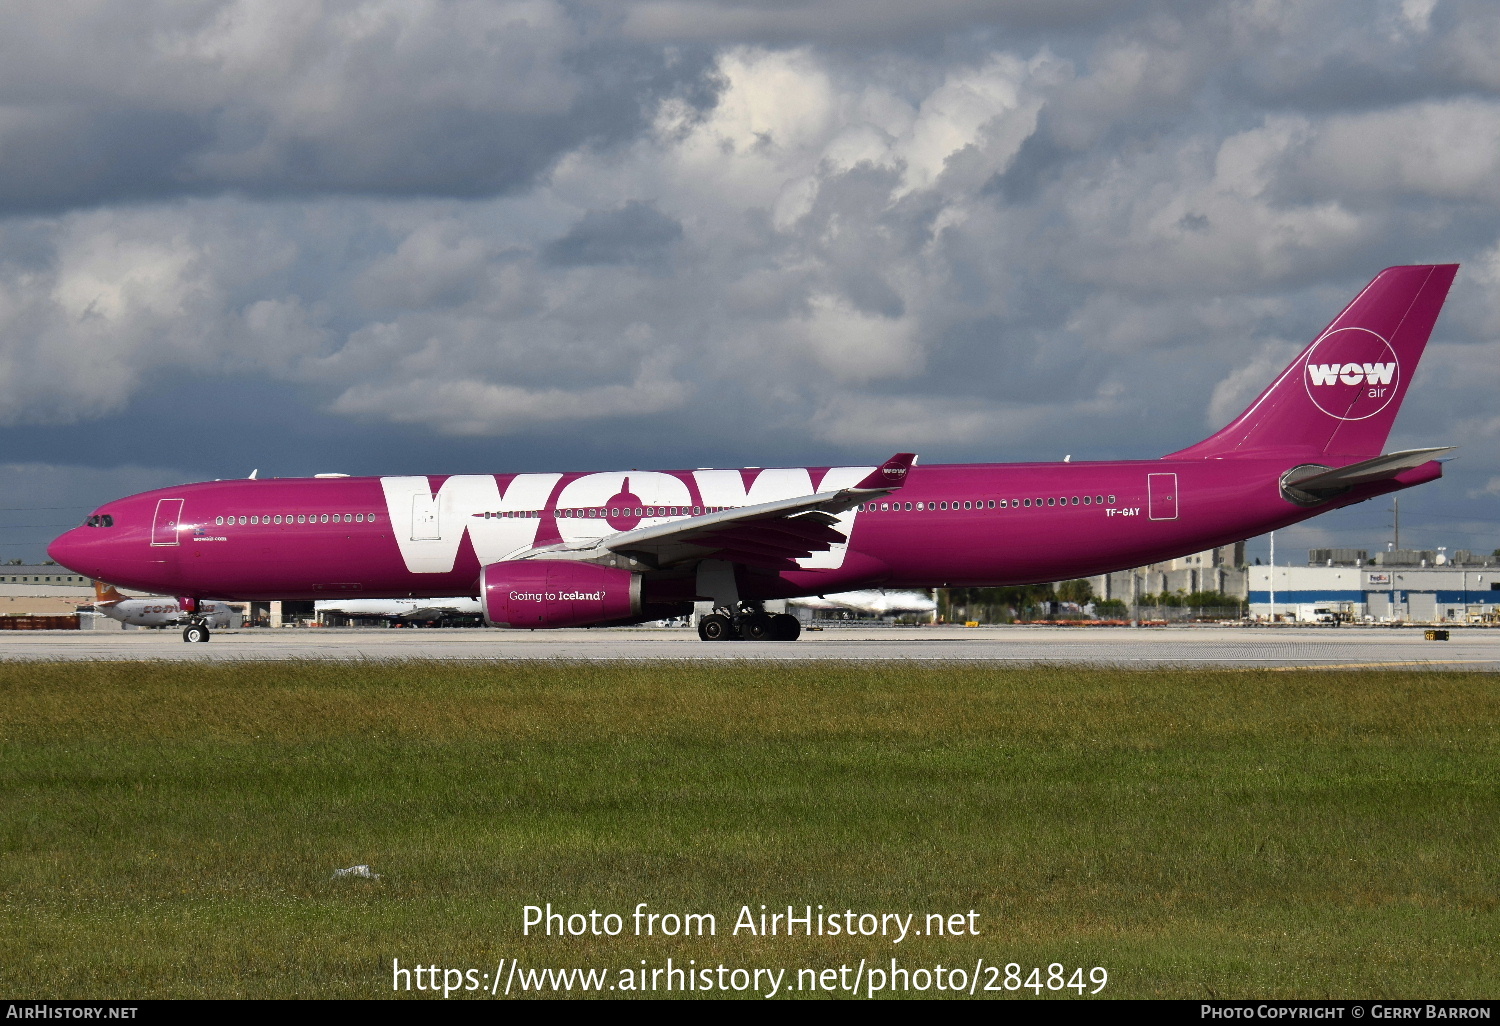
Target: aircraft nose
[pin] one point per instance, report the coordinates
(65, 550)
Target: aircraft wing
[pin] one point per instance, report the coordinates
(770, 535)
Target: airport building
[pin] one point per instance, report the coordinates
(1415, 586)
(42, 590)
(48, 590)
(1219, 570)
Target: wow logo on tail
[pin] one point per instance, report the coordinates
(1352, 373)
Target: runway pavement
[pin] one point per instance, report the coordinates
(1230, 646)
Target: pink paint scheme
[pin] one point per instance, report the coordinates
(640, 545)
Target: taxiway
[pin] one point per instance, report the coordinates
(1278, 647)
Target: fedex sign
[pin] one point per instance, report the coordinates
(1351, 373)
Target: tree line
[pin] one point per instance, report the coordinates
(1062, 599)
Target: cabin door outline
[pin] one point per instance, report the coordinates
(1161, 496)
(168, 520)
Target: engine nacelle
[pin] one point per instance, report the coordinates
(542, 593)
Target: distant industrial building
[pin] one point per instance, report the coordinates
(1402, 585)
(42, 590)
(1213, 570)
(1398, 557)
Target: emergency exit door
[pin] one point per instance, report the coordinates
(1161, 496)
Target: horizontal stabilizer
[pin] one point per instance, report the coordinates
(1319, 483)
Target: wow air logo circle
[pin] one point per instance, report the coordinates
(1351, 374)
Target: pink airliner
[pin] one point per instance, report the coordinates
(580, 550)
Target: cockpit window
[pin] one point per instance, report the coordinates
(100, 520)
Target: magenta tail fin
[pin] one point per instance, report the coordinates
(1340, 396)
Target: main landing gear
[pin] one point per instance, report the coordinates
(749, 625)
(195, 632)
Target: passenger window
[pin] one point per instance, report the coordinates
(697, 511)
(992, 504)
(278, 520)
(1087, 499)
(1075, 500)
(1004, 504)
(255, 520)
(1051, 500)
(1111, 500)
(1028, 503)
(359, 518)
(219, 521)
(323, 518)
(1099, 499)
(968, 505)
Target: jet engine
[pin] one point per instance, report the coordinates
(542, 593)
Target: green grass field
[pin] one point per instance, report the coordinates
(171, 829)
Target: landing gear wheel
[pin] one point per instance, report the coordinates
(195, 633)
(758, 627)
(715, 627)
(785, 627)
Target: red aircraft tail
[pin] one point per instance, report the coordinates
(1340, 396)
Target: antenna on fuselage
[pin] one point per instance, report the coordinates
(253, 473)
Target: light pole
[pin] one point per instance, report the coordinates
(1273, 576)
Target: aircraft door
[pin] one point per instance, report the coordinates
(164, 526)
(1161, 492)
(424, 518)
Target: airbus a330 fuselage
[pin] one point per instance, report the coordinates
(550, 550)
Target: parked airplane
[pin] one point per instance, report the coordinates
(407, 610)
(573, 550)
(156, 611)
(880, 602)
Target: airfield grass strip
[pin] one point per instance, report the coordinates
(171, 829)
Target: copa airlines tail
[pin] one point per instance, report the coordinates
(576, 550)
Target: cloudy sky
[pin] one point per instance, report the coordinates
(406, 236)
